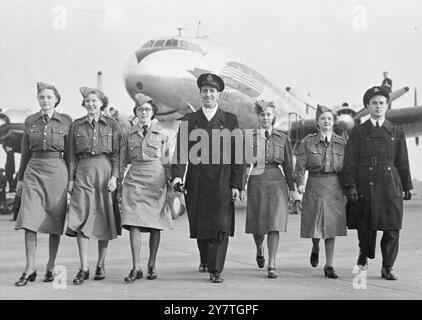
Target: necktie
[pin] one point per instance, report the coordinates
(326, 143)
(267, 135)
(93, 123)
(144, 132)
(46, 118)
(377, 125)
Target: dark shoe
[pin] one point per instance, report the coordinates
(272, 274)
(387, 273)
(134, 275)
(314, 259)
(151, 273)
(330, 273)
(99, 273)
(362, 261)
(49, 276)
(23, 280)
(260, 260)
(216, 277)
(81, 276)
(203, 268)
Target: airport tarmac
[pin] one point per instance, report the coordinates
(178, 260)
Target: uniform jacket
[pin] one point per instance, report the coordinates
(313, 156)
(154, 146)
(105, 138)
(278, 151)
(41, 136)
(376, 163)
(208, 199)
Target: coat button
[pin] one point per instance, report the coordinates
(389, 168)
(370, 168)
(371, 183)
(94, 138)
(93, 152)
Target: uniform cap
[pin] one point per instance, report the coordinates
(375, 91)
(141, 99)
(211, 80)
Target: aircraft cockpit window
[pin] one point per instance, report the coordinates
(159, 43)
(171, 43)
(148, 44)
(184, 44)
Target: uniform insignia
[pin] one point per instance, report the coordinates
(209, 78)
(376, 90)
(392, 138)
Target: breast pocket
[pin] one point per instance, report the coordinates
(279, 152)
(81, 138)
(35, 138)
(314, 158)
(133, 148)
(106, 138)
(153, 149)
(57, 137)
(338, 156)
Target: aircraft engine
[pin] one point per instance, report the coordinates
(345, 118)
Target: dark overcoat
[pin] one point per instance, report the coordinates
(376, 163)
(208, 198)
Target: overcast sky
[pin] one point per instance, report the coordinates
(333, 49)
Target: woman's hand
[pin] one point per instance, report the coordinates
(235, 194)
(291, 195)
(19, 189)
(70, 187)
(301, 189)
(112, 184)
(243, 196)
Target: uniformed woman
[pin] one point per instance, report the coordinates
(323, 204)
(42, 179)
(144, 190)
(268, 191)
(94, 155)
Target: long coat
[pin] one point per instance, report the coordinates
(376, 163)
(208, 199)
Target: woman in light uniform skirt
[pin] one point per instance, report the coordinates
(42, 180)
(144, 190)
(94, 165)
(268, 187)
(323, 204)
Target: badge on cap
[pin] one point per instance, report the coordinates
(209, 78)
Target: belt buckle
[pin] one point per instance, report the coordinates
(374, 161)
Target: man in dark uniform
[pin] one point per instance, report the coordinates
(211, 187)
(387, 83)
(376, 175)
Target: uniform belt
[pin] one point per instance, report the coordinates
(47, 154)
(322, 174)
(91, 156)
(374, 161)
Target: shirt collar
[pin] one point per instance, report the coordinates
(374, 122)
(210, 113)
(54, 115)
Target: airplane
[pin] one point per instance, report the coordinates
(166, 69)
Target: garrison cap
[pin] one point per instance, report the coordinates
(321, 109)
(211, 80)
(42, 86)
(260, 106)
(86, 91)
(375, 91)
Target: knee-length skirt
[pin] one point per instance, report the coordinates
(44, 194)
(267, 204)
(91, 210)
(323, 209)
(144, 194)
